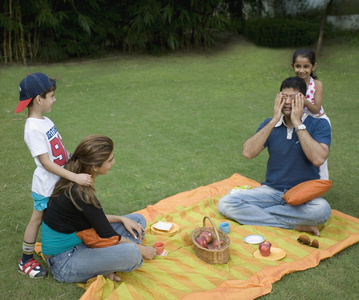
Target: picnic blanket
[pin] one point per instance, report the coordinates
(182, 275)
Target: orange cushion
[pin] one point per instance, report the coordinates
(306, 191)
(93, 240)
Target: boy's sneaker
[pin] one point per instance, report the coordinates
(32, 268)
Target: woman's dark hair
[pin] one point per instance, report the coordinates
(295, 83)
(92, 151)
(307, 53)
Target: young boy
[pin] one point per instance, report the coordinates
(37, 93)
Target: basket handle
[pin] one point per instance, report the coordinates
(214, 227)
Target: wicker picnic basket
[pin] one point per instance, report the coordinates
(212, 256)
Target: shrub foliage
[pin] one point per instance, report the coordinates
(50, 30)
(58, 29)
(282, 32)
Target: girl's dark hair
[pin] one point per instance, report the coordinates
(295, 83)
(43, 94)
(92, 151)
(307, 53)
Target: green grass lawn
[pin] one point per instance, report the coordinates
(178, 122)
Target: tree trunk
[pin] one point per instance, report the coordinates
(259, 8)
(5, 46)
(29, 44)
(36, 41)
(21, 37)
(322, 27)
(10, 31)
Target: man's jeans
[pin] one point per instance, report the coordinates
(82, 263)
(264, 206)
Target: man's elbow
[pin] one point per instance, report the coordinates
(318, 161)
(317, 164)
(250, 152)
(321, 157)
(247, 154)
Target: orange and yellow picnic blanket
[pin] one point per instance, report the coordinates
(182, 275)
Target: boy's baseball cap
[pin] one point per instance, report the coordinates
(32, 85)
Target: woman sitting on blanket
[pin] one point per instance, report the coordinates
(74, 209)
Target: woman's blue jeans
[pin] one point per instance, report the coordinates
(264, 206)
(82, 263)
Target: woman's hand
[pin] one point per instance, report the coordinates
(133, 227)
(148, 252)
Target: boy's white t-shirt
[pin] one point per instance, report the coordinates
(41, 136)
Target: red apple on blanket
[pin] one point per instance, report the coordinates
(215, 244)
(207, 235)
(202, 241)
(264, 248)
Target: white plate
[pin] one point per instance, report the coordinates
(254, 239)
(164, 253)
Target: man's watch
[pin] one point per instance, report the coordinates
(300, 127)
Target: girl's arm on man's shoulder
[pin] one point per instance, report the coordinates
(318, 98)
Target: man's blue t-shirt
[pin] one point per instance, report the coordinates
(287, 165)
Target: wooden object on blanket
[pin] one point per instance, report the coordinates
(212, 256)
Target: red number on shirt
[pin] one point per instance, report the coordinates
(58, 151)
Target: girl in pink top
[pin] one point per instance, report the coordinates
(304, 64)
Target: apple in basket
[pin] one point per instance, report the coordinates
(215, 244)
(207, 235)
(202, 241)
(264, 248)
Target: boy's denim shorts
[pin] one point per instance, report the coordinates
(40, 202)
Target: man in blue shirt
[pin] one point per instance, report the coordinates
(297, 145)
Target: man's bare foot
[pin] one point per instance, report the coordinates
(310, 229)
(113, 277)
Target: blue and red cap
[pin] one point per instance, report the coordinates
(32, 85)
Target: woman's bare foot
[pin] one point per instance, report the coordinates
(113, 277)
(310, 229)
